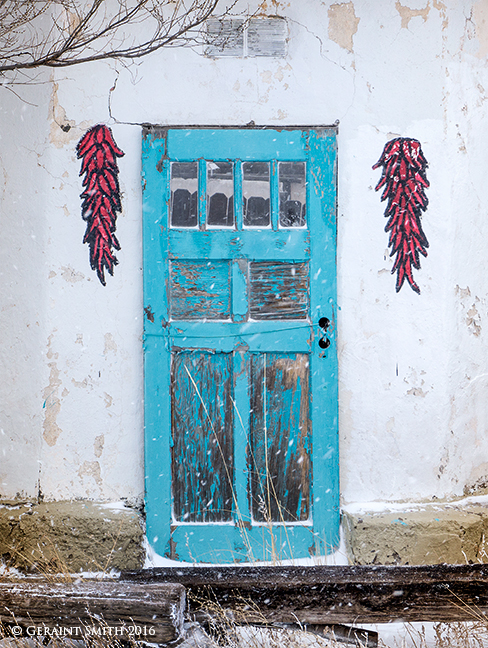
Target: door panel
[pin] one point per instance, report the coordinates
(279, 452)
(278, 290)
(200, 290)
(202, 432)
(239, 266)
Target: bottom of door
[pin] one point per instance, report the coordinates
(225, 543)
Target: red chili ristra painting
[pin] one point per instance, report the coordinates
(101, 196)
(404, 181)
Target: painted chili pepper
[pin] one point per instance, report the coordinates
(101, 196)
(404, 181)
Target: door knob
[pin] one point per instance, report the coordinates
(324, 342)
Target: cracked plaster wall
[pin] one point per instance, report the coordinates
(413, 370)
(24, 179)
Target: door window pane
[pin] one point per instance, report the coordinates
(184, 191)
(293, 193)
(220, 194)
(256, 193)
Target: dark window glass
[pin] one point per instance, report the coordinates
(184, 191)
(220, 194)
(293, 194)
(256, 194)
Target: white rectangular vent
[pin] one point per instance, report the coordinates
(240, 38)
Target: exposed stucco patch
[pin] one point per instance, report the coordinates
(343, 24)
(463, 292)
(478, 480)
(63, 130)
(52, 402)
(267, 8)
(70, 275)
(473, 321)
(110, 344)
(480, 19)
(442, 9)
(472, 315)
(406, 14)
(91, 469)
(98, 445)
(86, 383)
(417, 391)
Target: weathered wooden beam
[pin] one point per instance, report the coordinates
(329, 595)
(150, 612)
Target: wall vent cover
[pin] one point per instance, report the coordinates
(246, 38)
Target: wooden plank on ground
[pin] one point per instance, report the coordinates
(150, 612)
(329, 595)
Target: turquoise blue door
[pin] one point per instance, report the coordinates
(240, 352)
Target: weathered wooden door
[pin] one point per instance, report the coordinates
(240, 354)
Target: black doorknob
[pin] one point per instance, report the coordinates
(324, 323)
(324, 342)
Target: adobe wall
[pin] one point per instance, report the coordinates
(412, 368)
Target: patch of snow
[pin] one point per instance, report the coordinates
(115, 506)
(100, 575)
(10, 572)
(358, 508)
(404, 635)
(338, 557)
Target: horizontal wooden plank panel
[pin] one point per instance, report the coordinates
(159, 606)
(278, 290)
(227, 143)
(324, 595)
(228, 543)
(255, 336)
(293, 245)
(200, 290)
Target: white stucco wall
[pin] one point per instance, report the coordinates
(413, 369)
(23, 225)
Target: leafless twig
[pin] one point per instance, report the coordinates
(59, 33)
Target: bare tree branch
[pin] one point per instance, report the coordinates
(59, 33)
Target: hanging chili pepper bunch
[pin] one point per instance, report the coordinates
(404, 181)
(101, 196)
